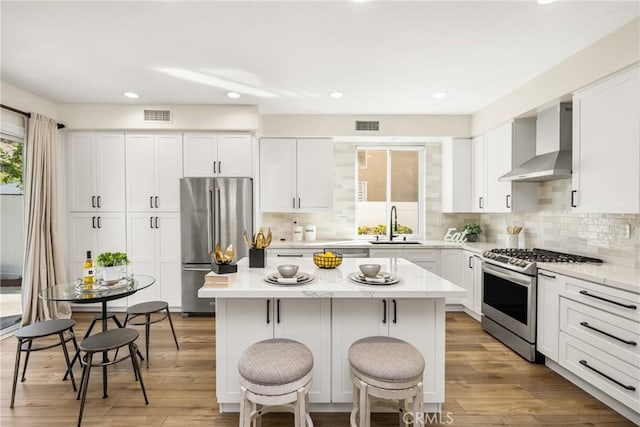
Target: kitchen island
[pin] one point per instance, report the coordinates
(328, 315)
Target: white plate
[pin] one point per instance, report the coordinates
(301, 279)
(361, 280)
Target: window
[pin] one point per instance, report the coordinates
(389, 176)
(11, 166)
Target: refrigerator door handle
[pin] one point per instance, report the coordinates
(216, 213)
(207, 269)
(209, 212)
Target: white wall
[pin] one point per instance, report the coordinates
(616, 51)
(26, 101)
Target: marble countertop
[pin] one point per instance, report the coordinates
(477, 247)
(615, 276)
(415, 282)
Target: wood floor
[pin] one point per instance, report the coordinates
(486, 385)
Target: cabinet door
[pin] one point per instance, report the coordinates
(168, 266)
(309, 321)
(477, 285)
(421, 322)
(234, 155)
(498, 155)
(352, 319)
(456, 175)
(548, 311)
(83, 237)
(82, 191)
(606, 175)
(167, 171)
(140, 176)
(200, 153)
(141, 250)
(315, 174)
(240, 323)
(110, 171)
(278, 175)
(478, 176)
(429, 259)
(467, 279)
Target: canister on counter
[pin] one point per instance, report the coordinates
(310, 232)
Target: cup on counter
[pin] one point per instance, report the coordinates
(511, 241)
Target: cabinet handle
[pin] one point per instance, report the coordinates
(546, 275)
(395, 311)
(151, 201)
(214, 167)
(290, 255)
(278, 310)
(157, 223)
(480, 200)
(99, 225)
(631, 306)
(99, 201)
(298, 202)
(626, 387)
(268, 310)
(150, 222)
(156, 199)
(508, 195)
(93, 222)
(294, 202)
(588, 326)
(93, 201)
(470, 266)
(573, 193)
(384, 311)
(219, 167)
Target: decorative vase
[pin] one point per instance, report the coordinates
(224, 268)
(115, 272)
(472, 237)
(256, 258)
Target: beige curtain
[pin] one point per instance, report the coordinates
(43, 261)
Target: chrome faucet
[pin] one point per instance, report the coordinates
(393, 217)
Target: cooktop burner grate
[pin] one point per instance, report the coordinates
(543, 255)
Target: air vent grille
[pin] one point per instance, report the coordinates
(368, 125)
(157, 116)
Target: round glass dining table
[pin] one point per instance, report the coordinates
(100, 292)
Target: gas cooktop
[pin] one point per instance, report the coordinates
(524, 260)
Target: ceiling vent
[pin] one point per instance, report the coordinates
(370, 125)
(157, 115)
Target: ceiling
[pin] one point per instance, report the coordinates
(387, 57)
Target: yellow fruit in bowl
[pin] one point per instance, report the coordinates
(329, 253)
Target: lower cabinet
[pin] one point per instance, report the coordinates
(451, 262)
(413, 320)
(471, 281)
(548, 310)
(429, 259)
(241, 322)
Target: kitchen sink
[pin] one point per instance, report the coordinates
(395, 242)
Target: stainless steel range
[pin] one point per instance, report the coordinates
(509, 295)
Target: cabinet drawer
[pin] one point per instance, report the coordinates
(612, 334)
(614, 377)
(616, 301)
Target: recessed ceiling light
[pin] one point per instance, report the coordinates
(439, 95)
(546, 1)
(233, 95)
(336, 94)
(131, 95)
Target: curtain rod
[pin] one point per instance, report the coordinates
(28, 115)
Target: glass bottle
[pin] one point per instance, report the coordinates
(89, 274)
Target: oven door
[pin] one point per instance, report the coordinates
(509, 299)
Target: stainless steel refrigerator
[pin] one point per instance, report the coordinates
(213, 210)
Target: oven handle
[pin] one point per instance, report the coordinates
(506, 275)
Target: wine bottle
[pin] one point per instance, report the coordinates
(89, 274)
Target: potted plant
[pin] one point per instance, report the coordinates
(471, 232)
(113, 264)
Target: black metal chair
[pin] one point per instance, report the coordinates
(146, 309)
(26, 335)
(113, 339)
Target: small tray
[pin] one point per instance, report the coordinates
(359, 278)
(301, 278)
(104, 286)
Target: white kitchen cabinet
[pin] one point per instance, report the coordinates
(217, 155)
(96, 167)
(451, 262)
(429, 259)
(456, 175)
(548, 311)
(606, 146)
(478, 175)
(153, 248)
(243, 322)
(506, 147)
(296, 175)
(154, 169)
(412, 320)
(471, 281)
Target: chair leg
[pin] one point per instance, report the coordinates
(16, 369)
(173, 331)
(147, 331)
(86, 372)
(136, 367)
(26, 360)
(242, 422)
(66, 359)
(117, 322)
(364, 407)
(77, 355)
(418, 405)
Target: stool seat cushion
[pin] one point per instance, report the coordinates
(44, 328)
(147, 307)
(275, 362)
(386, 358)
(109, 340)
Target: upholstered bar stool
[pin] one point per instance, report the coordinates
(386, 368)
(275, 375)
(26, 335)
(145, 310)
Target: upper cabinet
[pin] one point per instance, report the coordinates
(154, 169)
(505, 147)
(478, 181)
(606, 146)
(217, 155)
(96, 171)
(296, 175)
(456, 175)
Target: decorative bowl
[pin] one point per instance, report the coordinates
(370, 270)
(327, 259)
(287, 270)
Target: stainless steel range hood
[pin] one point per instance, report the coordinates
(553, 148)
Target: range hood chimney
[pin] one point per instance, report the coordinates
(553, 148)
